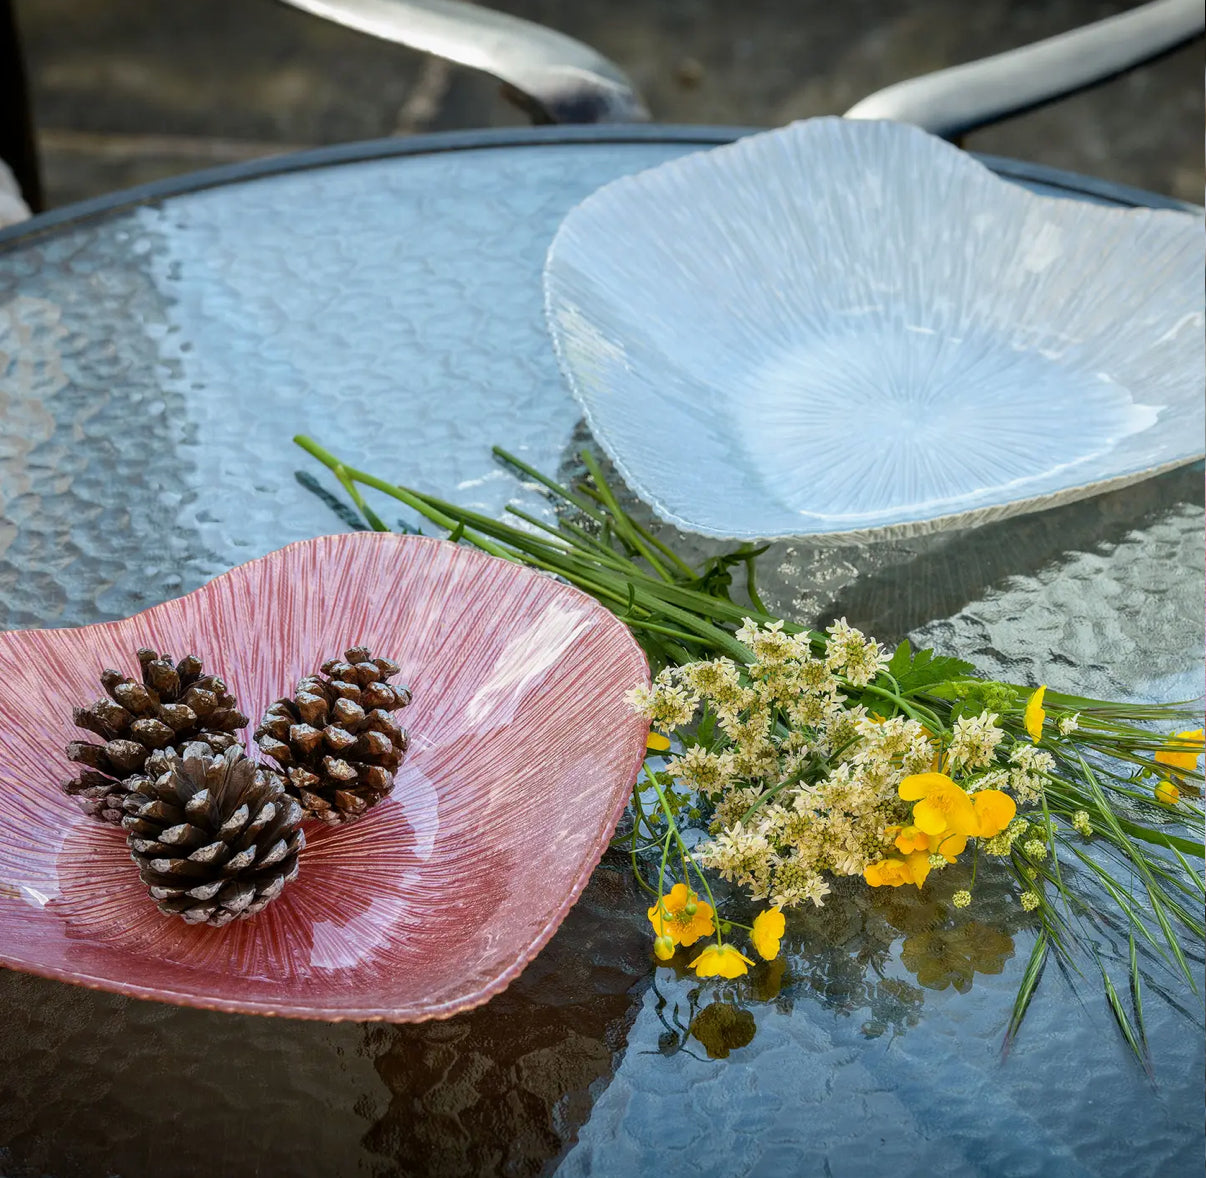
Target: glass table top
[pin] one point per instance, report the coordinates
(155, 361)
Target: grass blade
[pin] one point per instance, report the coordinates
(1137, 993)
(1124, 1023)
(1027, 986)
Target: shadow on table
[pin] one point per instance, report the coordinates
(98, 1084)
(504, 1089)
(936, 576)
(891, 587)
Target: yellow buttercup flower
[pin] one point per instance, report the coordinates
(1182, 751)
(655, 742)
(721, 961)
(1034, 715)
(768, 932)
(894, 871)
(890, 872)
(909, 839)
(670, 917)
(1167, 793)
(942, 807)
(949, 845)
(994, 812)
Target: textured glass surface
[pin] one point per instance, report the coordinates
(153, 365)
(807, 298)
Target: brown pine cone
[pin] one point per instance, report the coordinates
(172, 706)
(215, 836)
(335, 739)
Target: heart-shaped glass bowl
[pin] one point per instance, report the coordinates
(851, 329)
(521, 760)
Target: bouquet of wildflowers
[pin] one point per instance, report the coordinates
(817, 755)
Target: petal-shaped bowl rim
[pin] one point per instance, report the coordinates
(632, 756)
(905, 528)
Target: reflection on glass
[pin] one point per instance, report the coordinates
(952, 957)
(723, 1027)
(844, 956)
(507, 1088)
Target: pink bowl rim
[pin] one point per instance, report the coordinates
(440, 1011)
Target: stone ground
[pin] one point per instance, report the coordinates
(131, 90)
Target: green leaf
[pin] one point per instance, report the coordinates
(925, 669)
(901, 658)
(706, 729)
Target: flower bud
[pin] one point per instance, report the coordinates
(1167, 793)
(663, 947)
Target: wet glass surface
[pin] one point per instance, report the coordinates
(154, 364)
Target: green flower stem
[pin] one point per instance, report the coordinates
(411, 499)
(563, 561)
(1156, 838)
(914, 711)
(556, 488)
(636, 871)
(1048, 829)
(661, 875)
(649, 538)
(751, 584)
(790, 780)
(680, 614)
(374, 520)
(627, 532)
(673, 830)
(654, 628)
(580, 537)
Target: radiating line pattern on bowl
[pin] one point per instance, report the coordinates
(521, 759)
(854, 328)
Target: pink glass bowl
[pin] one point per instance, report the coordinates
(522, 756)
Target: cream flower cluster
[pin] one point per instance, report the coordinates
(805, 783)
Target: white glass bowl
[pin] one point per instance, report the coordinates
(854, 328)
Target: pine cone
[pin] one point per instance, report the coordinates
(172, 706)
(215, 835)
(335, 739)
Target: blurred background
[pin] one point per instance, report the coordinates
(126, 91)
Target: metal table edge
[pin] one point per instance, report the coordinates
(506, 137)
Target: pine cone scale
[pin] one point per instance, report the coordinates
(175, 867)
(338, 739)
(178, 716)
(183, 835)
(84, 753)
(234, 824)
(276, 854)
(241, 860)
(305, 737)
(311, 707)
(134, 697)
